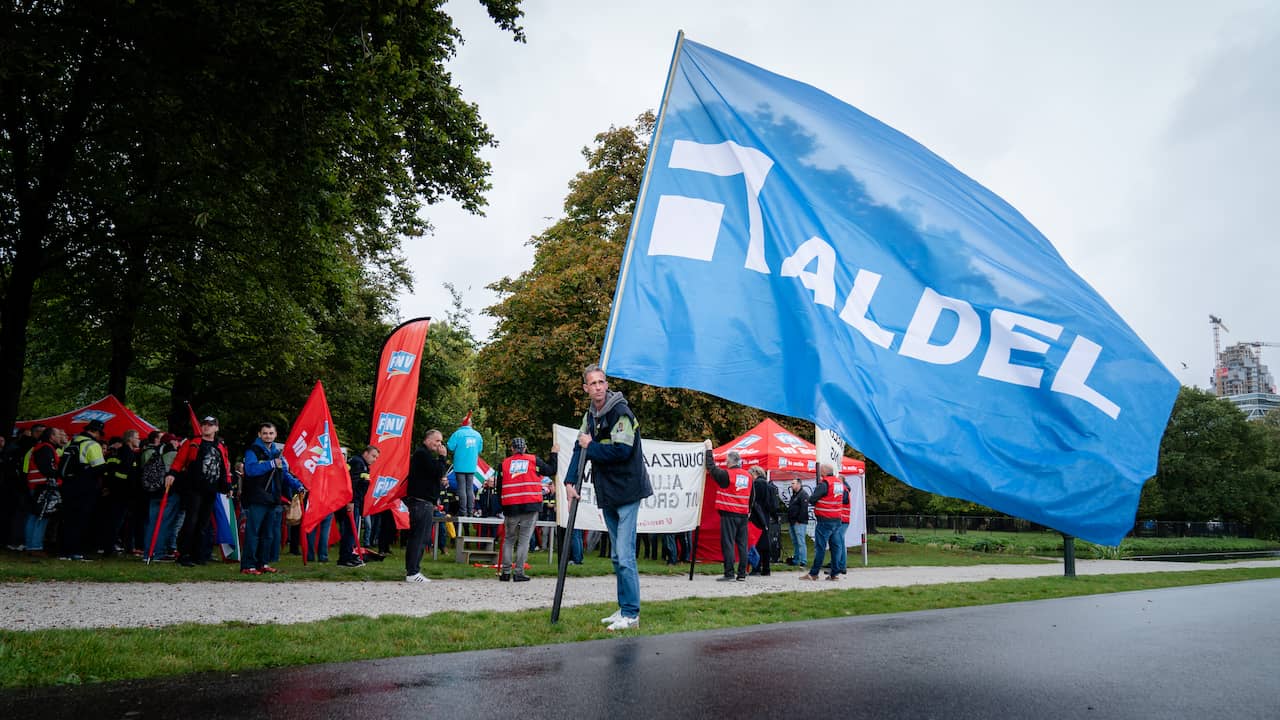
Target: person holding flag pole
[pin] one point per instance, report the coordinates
(609, 437)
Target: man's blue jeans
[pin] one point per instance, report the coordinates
(841, 561)
(823, 535)
(621, 522)
(800, 549)
(257, 536)
(165, 542)
(318, 539)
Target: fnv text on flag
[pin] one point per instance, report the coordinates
(394, 397)
(315, 458)
(792, 253)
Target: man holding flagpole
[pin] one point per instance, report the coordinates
(610, 438)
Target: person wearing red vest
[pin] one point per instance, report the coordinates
(828, 498)
(733, 501)
(41, 467)
(522, 490)
(839, 564)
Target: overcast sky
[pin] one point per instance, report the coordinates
(1142, 138)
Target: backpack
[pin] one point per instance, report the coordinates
(153, 472)
(69, 464)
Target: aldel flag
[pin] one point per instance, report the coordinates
(791, 253)
(315, 457)
(394, 398)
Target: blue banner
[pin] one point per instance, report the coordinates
(792, 253)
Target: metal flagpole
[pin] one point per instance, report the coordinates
(568, 537)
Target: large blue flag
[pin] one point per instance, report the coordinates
(792, 253)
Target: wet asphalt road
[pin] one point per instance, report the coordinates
(1210, 651)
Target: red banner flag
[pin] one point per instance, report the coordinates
(394, 398)
(315, 457)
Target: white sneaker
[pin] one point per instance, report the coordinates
(625, 623)
(417, 578)
(615, 617)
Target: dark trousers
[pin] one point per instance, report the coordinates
(347, 531)
(764, 546)
(733, 536)
(386, 531)
(78, 499)
(420, 517)
(198, 507)
(110, 513)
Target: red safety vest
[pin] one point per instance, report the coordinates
(829, 505)
(736, 498)
(34, 476)
(520, 482)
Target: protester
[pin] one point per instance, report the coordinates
(798, 519)
(522, 493)
(358, 468)
(733, 502)
(840, 563)
(81, 470)
(267, 481)
(422, 489)
(200, 470)
(466, 445)
(764, 506)
(119, 490)
(827, 498)
(609, 437)
(40, 467)
(159, 459)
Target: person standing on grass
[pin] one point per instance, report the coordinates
(763, 508)
(828, 498)
(521, 500)
(266, 481)
(422, 490)
(733, 502)
(200, 471)
(358, 469)
(610, 438)
(798, 519)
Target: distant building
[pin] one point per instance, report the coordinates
(1255, 405)
(1240, 372)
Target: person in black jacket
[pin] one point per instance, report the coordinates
(422, 491)
(798, 519)
(763, 508)
(358, 467)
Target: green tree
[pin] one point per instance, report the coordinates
(1214, 464)
(551, 318)
(218, 161)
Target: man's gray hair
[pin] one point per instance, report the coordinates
(827, 469)
(593, 367)
(733, 459)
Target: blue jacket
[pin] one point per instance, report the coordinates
(465, 444)
(262, 486)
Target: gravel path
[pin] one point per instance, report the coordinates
(40, 605)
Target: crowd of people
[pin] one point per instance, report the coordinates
(88, 496)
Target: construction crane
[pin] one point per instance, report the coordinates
(1216, 322)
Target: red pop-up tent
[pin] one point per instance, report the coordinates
(114, 416)
(782, 455)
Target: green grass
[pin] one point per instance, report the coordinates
(49, 657)
(17, 568)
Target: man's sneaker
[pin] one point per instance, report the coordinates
(268, 569)
(351, 563)
(417, 578)
(807, 576)
(615, 617)
(741, 578)
(250, 571)
(725, 578)
(520, 578)
(624, 623)
(504, 577)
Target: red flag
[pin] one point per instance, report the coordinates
(315, 457)
(394, 400)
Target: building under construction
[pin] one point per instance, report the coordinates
(1240, 376)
